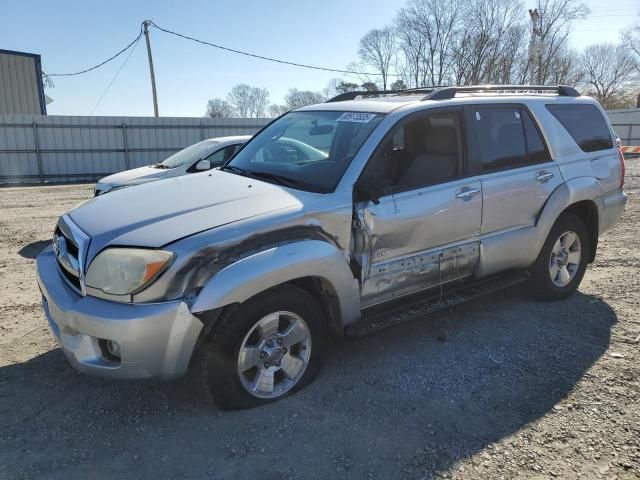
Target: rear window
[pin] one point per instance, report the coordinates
(585, 124)
(508, 138)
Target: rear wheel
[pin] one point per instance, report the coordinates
(262, 350)
(561, 264)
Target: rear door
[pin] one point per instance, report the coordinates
(517, 171)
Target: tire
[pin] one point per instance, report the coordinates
(560, 250)
(218, 362)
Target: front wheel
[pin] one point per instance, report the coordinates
(263, 350)
(560, 266)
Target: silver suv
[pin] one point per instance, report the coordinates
(336, 219)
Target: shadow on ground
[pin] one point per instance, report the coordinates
(398, 404)
(33, 249)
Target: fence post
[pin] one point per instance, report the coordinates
(629, 142)
(126, 149)
(37, 145)
(201, 131)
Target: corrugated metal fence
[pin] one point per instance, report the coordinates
(36, 148)
(626, 123)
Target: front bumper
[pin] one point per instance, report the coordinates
(156, 340)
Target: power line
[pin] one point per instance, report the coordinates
(115, 76)
(100, 64)
(261, 57)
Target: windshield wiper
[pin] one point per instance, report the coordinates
(159, 165)
(280, 179)
(238, 170)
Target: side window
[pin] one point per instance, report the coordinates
(500, 137)
(235, 150)
(419, 152)
(536, 149)
(585, 124)
(218, 157)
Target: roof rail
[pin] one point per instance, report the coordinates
(352, 95)
(378, 93)
(446, 93)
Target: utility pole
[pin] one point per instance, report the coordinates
(153, 76)
(535, 55)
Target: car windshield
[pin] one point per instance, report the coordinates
(305, 150)
(189, 154)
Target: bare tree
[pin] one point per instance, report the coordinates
(259, 102)
(295, 98)
(556, 19)
(398, 85)
(631, 39)
(426, 31)
(218, 108)
(608, 69)
(248, 101)
(377, 50)
(488, 42)
(336, 86)
(276, 110)
(565, 68)
(240, 98)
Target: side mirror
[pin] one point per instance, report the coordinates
(203, 165)
(369, 188)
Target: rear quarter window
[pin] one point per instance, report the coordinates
(585, 124)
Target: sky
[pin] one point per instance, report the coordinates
(74, 35)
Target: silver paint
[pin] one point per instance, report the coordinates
(235, 237)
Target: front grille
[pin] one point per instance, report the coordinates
(69, 244)
(73, 280)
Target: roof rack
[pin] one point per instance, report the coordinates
(379, 93)
(446, 93)
(353, 95)
(440, 92)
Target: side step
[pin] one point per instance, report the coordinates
(420, 304)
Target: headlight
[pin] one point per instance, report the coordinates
(121, 271)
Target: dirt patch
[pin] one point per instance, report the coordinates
(503, 387)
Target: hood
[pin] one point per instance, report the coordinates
(158, 213)
(134, 176)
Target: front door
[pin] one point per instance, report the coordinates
(424, 228)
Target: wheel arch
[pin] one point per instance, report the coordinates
(587, 210)
(576, 196)
(313, 265)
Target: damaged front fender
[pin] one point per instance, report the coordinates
(251, 275)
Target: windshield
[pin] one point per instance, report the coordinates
(189, 154)
(305, 150)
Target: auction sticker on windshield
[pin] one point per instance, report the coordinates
(357, 117)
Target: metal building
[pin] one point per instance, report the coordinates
(21, 89)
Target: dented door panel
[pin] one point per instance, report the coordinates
(417, 239)
(425, 270)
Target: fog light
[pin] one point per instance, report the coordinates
(113, 348)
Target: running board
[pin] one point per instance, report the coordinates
(421, 304)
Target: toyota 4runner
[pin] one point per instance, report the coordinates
(335, 219)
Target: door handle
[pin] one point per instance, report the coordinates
(544, 176)
(468, 193)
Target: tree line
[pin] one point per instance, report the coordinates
(467, 42)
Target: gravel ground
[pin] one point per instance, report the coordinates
(498, 388)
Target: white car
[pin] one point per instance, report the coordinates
(199, 157)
